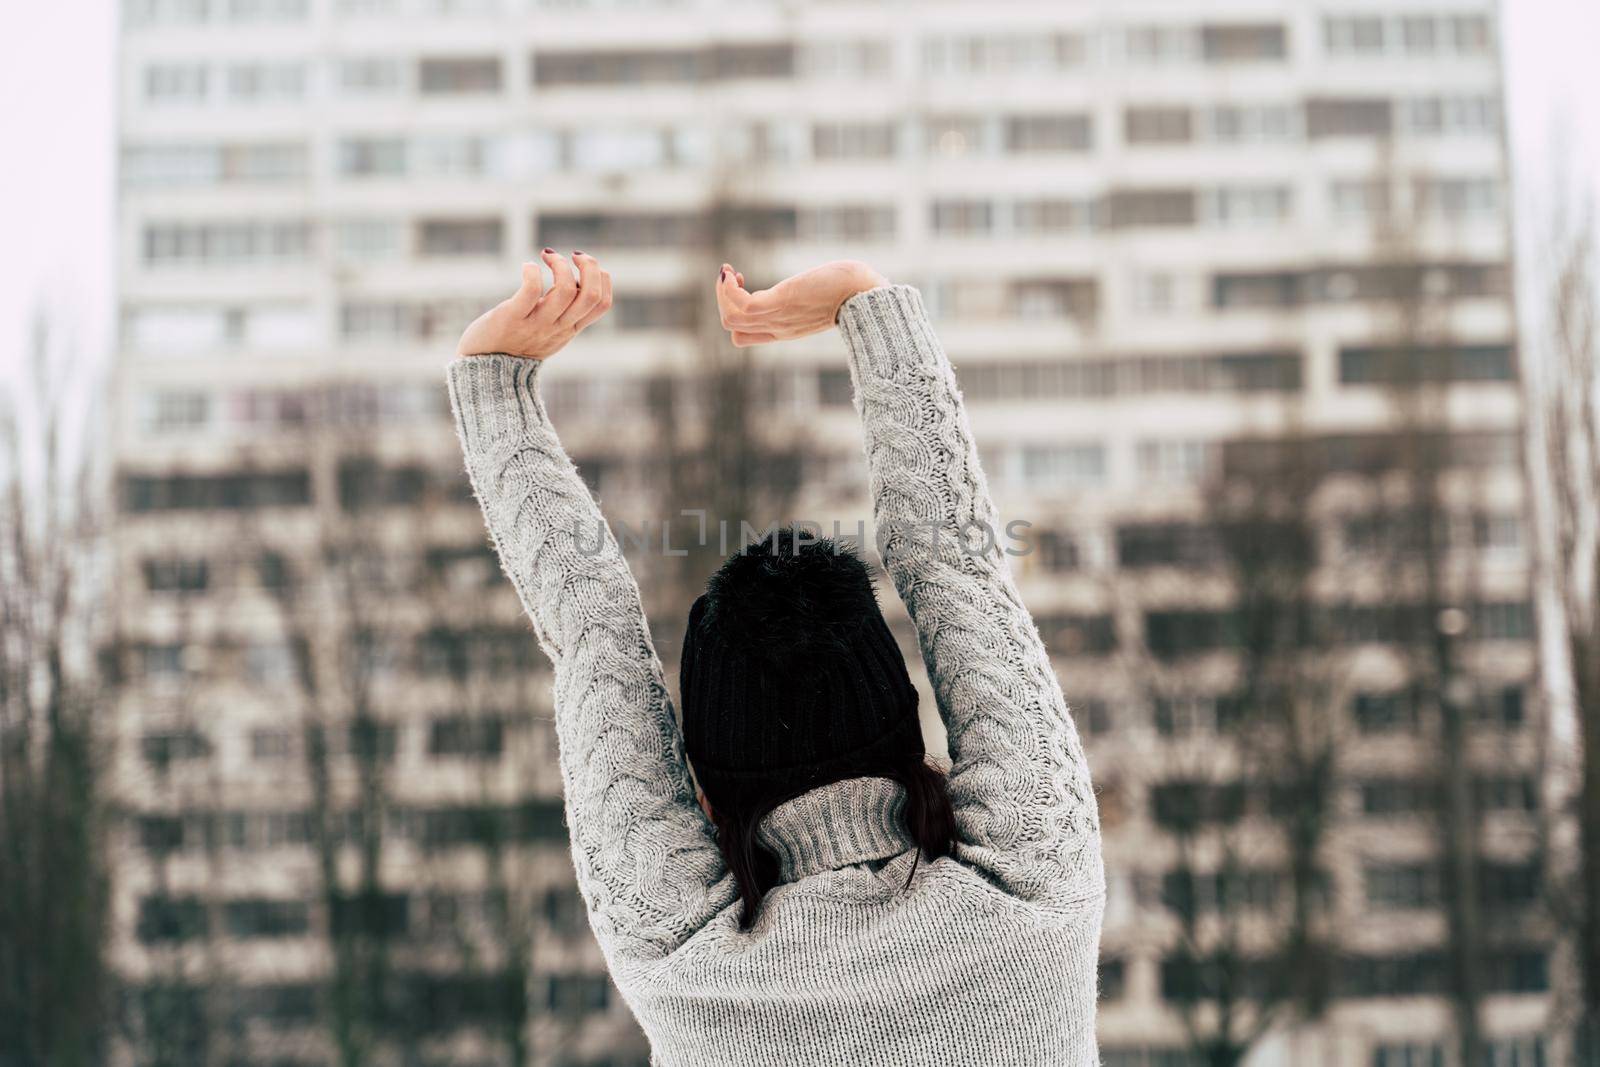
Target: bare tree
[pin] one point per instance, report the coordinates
(57, 667)
(1564, 471)
(1250, 695)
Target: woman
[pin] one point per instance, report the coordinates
(826, 897)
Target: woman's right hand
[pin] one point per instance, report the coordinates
(537, 323)
(803, 304)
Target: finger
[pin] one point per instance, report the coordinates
(603, 306)
(744, 339)
(561, 292)
(738, 307)
(527, 295)
(589, 290)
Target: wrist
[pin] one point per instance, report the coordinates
(861, 279)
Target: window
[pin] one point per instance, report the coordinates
(1191, 893)
(1111, 979)
(269, 663)
(1376, 713)
(370, 75)
(1140, 208)
(378, 915)
(1154, 293)
(1058, 552)
(1160, 44)
(731, 62)
(619, 230)
(1063, 466)
(564, 911)
(1396, 796)
(252, 918)
(1402, 887)
(253, 82)
(1270, 289)
(175, 328)
(1243, 42)
(1359, 199)
(853, 140)
(845, 59)
(176, 574)
(174, 410)
(453, 155)
(458, 237)
(1254, 123)
(951, 136)
(1457, 199)
(166, 83)
(167, 919)
(419, 321)
(1176, 461)
(1038, 218)
(1497, 532)
(1078, 635)
(363, 240)
(1503, 621)
(847, 223)
(173, 492)
(969, 218)
(1458, 363)
(467, 74)
(262, 10)
(1470, 35)
(1158, 125)
(551, 69)
(224, 244)
(1002, 55)
(162, 749)
(1247, 205)
(1142, 545)
(1047, 133)
(575, 994)
(1170, 634)
(1349, 117)
(270, 745)
(164, 12)
(473, 737)
(369, 156)
(1053, 298)
(1353, 35)
(618, 149)
(655, 311)
(1408, 1055)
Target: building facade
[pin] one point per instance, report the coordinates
(1176, 252)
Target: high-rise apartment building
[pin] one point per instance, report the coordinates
(1168, 244)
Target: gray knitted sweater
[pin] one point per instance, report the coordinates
(988, 957)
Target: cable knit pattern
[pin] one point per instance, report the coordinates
(985, 957)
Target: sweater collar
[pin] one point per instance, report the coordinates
(835, 825)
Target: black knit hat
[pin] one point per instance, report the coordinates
(790, 677)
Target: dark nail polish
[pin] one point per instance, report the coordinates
(722, 274)
(577, 252)
(549, 251)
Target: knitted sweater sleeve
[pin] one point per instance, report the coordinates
(648, 868)
(1025, 811)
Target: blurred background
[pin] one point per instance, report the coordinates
(1292, 384)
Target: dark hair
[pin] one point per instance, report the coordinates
(927, 816)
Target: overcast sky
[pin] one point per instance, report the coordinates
(57, 200)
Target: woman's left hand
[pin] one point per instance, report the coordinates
(536, 323)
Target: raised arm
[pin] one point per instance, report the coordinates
(1025, 810)
(1019, 783)
(648, 868)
